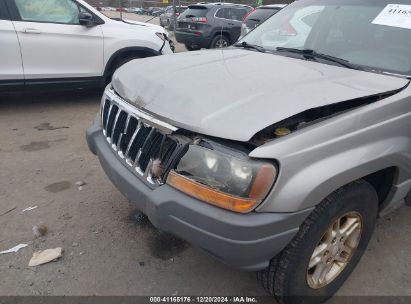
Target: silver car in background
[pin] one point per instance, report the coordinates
(167, 18)
(277, 154)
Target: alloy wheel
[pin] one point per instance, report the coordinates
(335, 250)
(221, 43)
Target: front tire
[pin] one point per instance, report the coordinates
(326, 249)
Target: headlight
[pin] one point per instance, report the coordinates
(224, 180)
(162, 36)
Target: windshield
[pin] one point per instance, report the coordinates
(373, 34)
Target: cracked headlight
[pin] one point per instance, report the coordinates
(227, 181)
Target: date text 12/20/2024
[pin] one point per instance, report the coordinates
(203, 299)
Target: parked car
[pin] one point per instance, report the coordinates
(212, 25)
(157, 12)
(282, 173)
(74, 45)
(108, 8)
(140, 11)
(151, 10)
(167, 18)
(121, 9)
(258, 16)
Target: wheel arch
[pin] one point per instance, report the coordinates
(139, 52)
(224, 33)
(382, 181)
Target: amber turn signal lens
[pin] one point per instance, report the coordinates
(215, 197)
(263, 182)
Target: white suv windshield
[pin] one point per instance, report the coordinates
(374, 34)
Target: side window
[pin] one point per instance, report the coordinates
(53, 11)
(4, 15)
(237, 13)
(222, 13)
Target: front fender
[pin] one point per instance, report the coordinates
(319, 159)
(308, 186)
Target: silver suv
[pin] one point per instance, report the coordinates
(277, 154)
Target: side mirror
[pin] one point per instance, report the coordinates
(85, 19)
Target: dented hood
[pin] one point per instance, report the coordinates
(235, 93)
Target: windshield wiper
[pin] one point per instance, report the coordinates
(250, 46)
(313, 54)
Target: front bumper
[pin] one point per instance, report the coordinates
(244, 241)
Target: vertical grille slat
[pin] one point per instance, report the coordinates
(114, 125)
(105, 111)
(168, 149)
(128, 134)
(111, 118)
(132, 140)
(118, 127)
(150, 149)
(137, 143)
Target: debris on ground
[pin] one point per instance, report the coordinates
(80, 185)
(139, 217)
(29, 209)
(75, 244)
(8, 211)
(14, 249)
(45, 256)
(40, 229)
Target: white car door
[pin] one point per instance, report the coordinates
(11, 68)
(53, 43)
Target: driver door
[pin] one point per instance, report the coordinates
(53, 43)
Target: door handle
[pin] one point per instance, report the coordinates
(31, 31)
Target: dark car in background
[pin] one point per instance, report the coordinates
(258, 16)
(157, 12)
(150, 11)
(214, 25)
(167, 18)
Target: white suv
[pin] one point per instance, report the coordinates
(69, 43)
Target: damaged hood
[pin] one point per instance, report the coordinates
(235, 93)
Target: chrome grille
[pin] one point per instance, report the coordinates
(137, 142)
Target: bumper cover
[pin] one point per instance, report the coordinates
(244, 241)
(191, 39)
